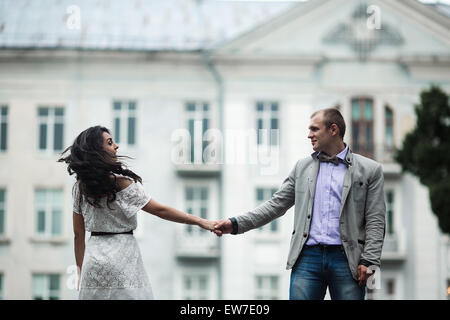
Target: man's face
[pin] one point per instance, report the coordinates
(320, 136)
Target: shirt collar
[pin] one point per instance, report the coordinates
(341, 155)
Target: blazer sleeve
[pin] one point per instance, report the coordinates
(375, 216)
(277, 206)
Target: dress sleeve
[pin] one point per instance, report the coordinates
(132, 199)
(76, 199)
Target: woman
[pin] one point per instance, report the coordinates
(107, 197)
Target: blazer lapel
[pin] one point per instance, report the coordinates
(348, 178)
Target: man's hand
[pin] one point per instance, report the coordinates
(222, 227)
(364, 273)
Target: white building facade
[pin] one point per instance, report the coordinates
(214, 131)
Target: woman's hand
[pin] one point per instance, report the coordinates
(207, 224)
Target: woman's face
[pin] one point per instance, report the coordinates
(108, 144)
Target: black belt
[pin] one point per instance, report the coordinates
(94, 233)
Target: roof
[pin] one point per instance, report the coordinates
(440, 7)
(152, 25)
(130, 24)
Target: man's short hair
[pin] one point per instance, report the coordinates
(332, 116)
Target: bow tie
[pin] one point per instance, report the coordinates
(323, 157)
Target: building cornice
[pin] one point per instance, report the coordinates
(77, 54)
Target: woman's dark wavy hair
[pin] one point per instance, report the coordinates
(94, 166)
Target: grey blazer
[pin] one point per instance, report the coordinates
(362, 215)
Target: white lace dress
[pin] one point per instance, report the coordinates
(112, 265)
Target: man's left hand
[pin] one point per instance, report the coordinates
(364, 273)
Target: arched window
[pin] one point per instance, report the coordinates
(362, 126)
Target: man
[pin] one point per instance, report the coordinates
(339, 221)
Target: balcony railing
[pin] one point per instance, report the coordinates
(199, 244)
(393, 249)
(202, 169)
(379, 152)
(385, 155)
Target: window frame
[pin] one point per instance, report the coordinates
(3, 208)
(390, 212)
(4, 122)
(269, 293)
(47, 290)
(198, 115)
(124, 115)
(48, 208)
(268, 192)
(389, 123)
(195, 293)
(50, 120)
(2, 285)
(191, 271)
(264, 114)
(197, 203)
(362, 123)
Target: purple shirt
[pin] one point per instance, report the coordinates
(324, 227)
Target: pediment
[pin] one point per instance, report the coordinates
(348, 29)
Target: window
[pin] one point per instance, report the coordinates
(2, 211)
(389, 129)
(267, 123)
(448, 289)
(3, 128)
(262, 195)
(46, 287)
(390, 289)
(267, 287)
(49, 210)
(1, 286)
(387, 290)
(51, 128)
(371, 295)
(198, 122)
(195, 287)
(389, 211)
(362, 126)
(125, 122)
(196, 199)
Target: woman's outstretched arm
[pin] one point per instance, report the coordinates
(78, 229)
(171, 214)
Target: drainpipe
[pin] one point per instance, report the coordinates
(220, 93)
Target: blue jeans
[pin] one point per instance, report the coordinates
(319, 267)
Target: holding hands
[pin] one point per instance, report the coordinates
(168, 213)
(206, 224)
(220, 227)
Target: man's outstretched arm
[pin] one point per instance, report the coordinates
(280, 202)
